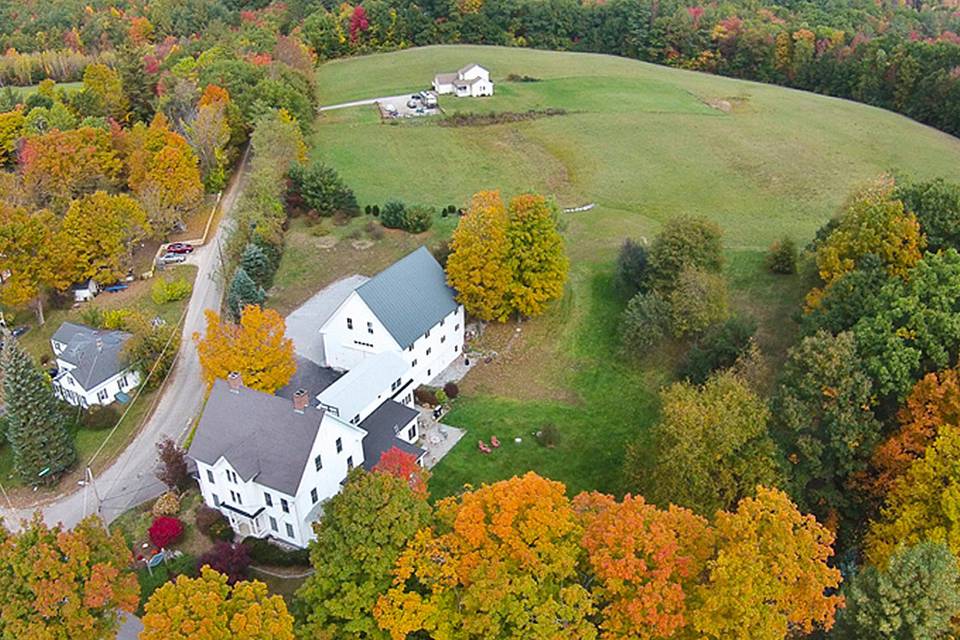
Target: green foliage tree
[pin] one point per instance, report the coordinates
(936, 204)
(538, 257)
(631, 274)
(698, 302)
(362, 533)
(712, 447)
(324, 191)
(915, 596)
(103, 84)
(257, 265)
(42, 447)
(418, 218)
(782, 256)
(719, 348)
(645, 322)
(393, 214)
(850, 297)
(683, 242)
(823, 420)
(243, 291)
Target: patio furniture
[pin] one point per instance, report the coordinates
(494, 442)
(483, 447)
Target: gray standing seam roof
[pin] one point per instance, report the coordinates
(409, 296)
(94, 361)
(381, 427)
(259, 434)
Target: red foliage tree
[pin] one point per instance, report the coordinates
(229, 559)
(403, 465)
(358, 23)
(165, 531)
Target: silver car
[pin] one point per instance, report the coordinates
(172, 258)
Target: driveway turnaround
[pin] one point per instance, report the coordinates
(303, 324)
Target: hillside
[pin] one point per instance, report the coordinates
(639, 140)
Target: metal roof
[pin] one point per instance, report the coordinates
(97, 355)
(259, 434)
(361, 386)
(410, 296)
(382, 427)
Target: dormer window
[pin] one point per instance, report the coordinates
(427, 334)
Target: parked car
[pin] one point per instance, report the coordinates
(19, 331)
(413, 104)
(179, 247)
(389, 108)
(416, 96)
(172, 258)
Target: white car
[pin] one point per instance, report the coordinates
(389, 108)
(172, 258)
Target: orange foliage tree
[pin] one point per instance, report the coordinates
(769, 574)
(933, 402)
(403, 465)
(58, 583)
(502, 563)
(59, 165)
(645, 561)
(256, 348)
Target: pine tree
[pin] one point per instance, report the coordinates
(537, 255)
(42, 447)
(257, 265)
(243, 291)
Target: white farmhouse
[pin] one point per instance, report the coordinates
(268, 462)
(472, 81)
(90, 366)
(407, 309)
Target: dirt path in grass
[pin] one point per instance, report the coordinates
(129, 480)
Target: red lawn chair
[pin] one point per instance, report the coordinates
(494, 442)
(483, 447)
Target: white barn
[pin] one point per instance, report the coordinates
(472, 81)
(90, 366)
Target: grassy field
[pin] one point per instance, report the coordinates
(66, 86)
(645, 143)
(37, 342)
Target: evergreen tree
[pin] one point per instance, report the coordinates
(257, 265)
(42, 447)
(243, 291)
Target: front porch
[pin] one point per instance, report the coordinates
(243, 523)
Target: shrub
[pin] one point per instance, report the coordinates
(375, 210)
(631, 267)
(451, 389)
(441, 396)
(782, 256)
(165, 290)
(229, 559)
(426, 395)
(645, 322)
(116, 318)
(698, 301)
(324, 191)
(265, 552)
(368, 210)
(683, 243)
(418, 218)
(91, 316)
(100, 417)
(393, 214)
(374, 230)
(719, 348)
(213, 524)
(165, 531)
(549, 436)
(166, 505)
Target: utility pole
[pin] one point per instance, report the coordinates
(93, 484)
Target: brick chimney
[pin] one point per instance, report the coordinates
(235, 382)
(300, 400)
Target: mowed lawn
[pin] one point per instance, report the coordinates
(645, 144)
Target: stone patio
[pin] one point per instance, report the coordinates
(456, 371)
(437, 438)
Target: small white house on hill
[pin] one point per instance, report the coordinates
(472, 81)
(90, 365)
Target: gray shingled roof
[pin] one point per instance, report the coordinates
(309, 376)
(445, 78)
(96, 354)
(259, 434)
(409, 296)
(381, 427)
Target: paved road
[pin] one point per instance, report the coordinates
(347, 105)
(130, 480)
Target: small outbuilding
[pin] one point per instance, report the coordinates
(85, 291)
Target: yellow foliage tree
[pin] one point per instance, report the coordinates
(478, 266)
(256, 349)
(769, 577)
(11, 129)
(207, 608)
(538, 258)
(924, 503)
(104, 84)
(29, 253)
(98, 234)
